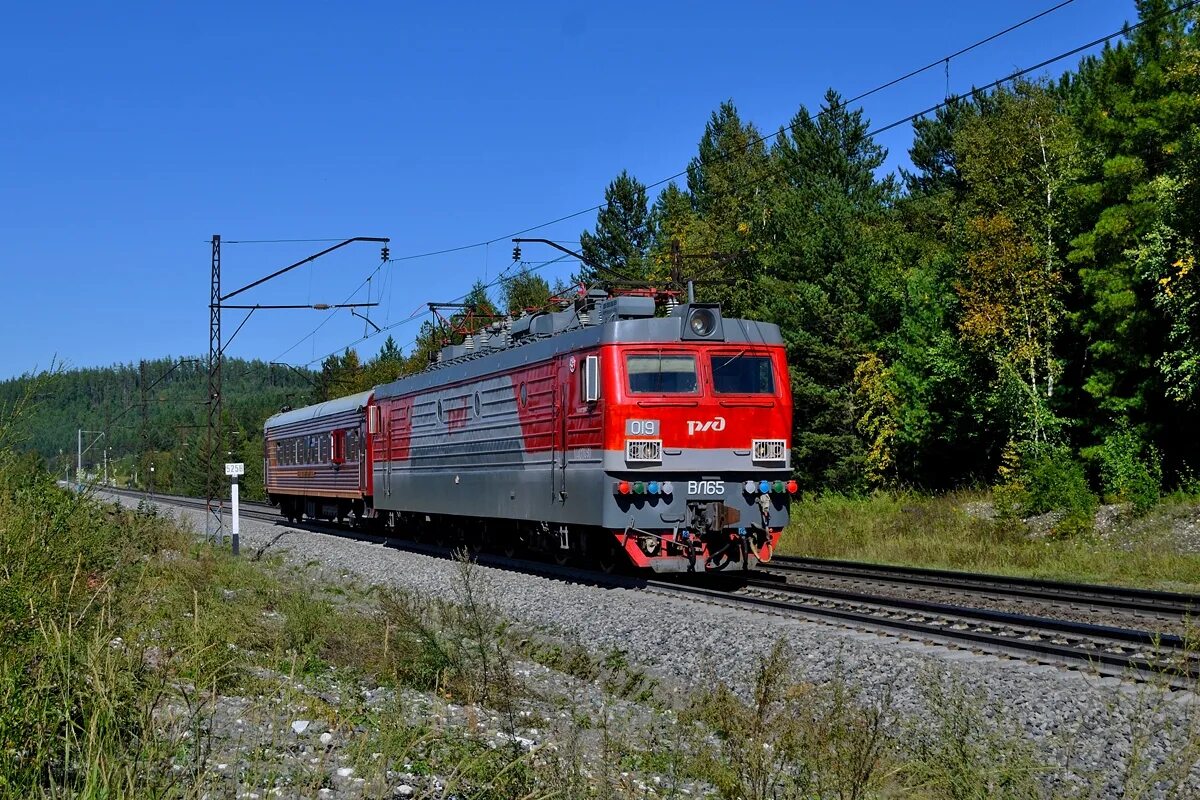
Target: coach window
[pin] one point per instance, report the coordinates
(661, 374)
(740, 374)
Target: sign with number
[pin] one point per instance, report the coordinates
(233, 470)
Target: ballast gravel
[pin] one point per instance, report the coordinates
(1105, 737)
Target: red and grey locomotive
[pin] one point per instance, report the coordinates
(601, 432)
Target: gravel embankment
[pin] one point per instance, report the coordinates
(1088, 727)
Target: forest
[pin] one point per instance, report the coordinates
(1020, 309)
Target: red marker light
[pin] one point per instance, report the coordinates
(623, 487)
(792, 487)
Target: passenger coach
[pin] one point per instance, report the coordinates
(315, 460)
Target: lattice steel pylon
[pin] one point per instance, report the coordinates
(214, 502)
(214, 526)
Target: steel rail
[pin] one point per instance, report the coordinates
(1117, 597)
(1071, 627)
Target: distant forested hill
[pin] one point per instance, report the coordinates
(152, 412)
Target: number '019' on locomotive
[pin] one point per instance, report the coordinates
(601, 433)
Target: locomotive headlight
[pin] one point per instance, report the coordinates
(700, 321)
(703, 321)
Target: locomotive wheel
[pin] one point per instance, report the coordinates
(562, 557)
(608, 559)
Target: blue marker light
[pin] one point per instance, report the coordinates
(764, 487)
(653, 487)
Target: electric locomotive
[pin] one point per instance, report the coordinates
(600, 433)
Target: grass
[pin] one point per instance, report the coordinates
(941, 532)
(119, 634)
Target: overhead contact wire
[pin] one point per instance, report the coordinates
(759, 140)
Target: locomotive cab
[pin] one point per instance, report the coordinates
(697, 432)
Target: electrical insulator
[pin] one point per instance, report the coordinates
(384, 253)
(517, 253)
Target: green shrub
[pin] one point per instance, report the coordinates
(1130, 471)
(1189, 482)
(1049, 478)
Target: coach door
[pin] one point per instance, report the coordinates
(360, 445)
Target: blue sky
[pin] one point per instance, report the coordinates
(132, 132)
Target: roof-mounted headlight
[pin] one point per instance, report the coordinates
(702, 322)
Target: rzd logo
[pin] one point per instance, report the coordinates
(714, 424)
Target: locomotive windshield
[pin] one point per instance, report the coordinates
(661, 374)
(739, 374)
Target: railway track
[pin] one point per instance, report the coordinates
(1107, 649)
(1143, 602)
(1135, 652)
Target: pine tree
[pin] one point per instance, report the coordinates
(524, 290)
(823, 257)
(933, 152)
(340, 376)
(1137, 104)
(621, 238)
(390, 351)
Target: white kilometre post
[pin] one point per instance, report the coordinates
(233, 471)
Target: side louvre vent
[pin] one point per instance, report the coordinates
(643, 450)
(770, 449)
